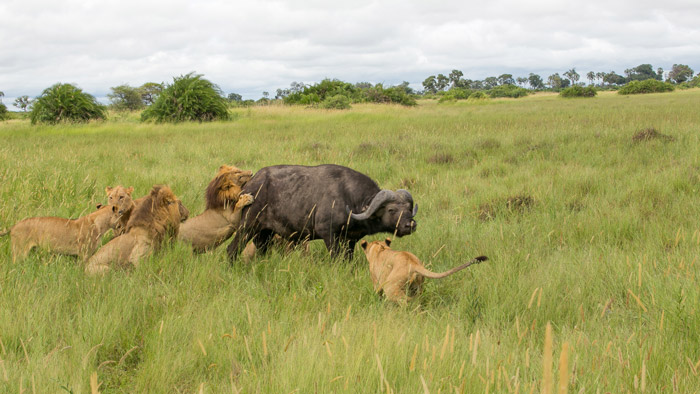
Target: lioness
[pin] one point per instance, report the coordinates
(80, 237)
(120, 197)
(157, 217)
(399, 275)
(223, 210)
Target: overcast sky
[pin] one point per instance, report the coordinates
(253, 46)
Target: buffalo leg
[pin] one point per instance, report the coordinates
(234, 248)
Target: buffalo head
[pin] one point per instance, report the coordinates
(393, 211)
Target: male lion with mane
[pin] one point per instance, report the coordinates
(79, 237)
(223, 210)
(157, 217)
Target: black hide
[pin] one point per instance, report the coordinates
(305, 203)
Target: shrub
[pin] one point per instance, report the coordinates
(64, 102)
(508, 90)
(336, 102)
(447, 98)
(478, 95)
(3, 112)
(646, 86)
(189, 98)
(578, 91)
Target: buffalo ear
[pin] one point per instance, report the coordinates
(363, 243)
(108, 189)
(387, 241)
(130, 190)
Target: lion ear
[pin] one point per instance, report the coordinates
(363, 243)
(387, 241)
(99, 206)
(130, 190)
(108, 189)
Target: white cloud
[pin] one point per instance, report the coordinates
(250, 47)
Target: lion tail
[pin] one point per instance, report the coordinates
(434, 275)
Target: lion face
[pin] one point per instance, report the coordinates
(176, 211)
(225, 188)
(120, 197)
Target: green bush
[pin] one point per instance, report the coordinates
(3, 112)
(64, 102)
(336, 102)
(189, 98)
(478, 95)
(447, 98)
(646, 86)
(578, 91)
(508, 90)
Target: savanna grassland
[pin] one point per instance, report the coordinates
(588, 229)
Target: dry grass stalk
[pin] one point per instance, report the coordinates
(547, 378)
(476, 345)
(639, 302)
(564, 369)
(412, 365)
(94, 387)
(445, 342)
(264, 344)
(201, 347)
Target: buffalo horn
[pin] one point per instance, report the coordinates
(379, 199)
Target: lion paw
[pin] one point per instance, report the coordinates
(244, 200)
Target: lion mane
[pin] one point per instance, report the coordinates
(157, 217)
(223, 210)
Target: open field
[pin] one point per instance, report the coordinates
(585, 227)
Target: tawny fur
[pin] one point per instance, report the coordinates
(79, 237)
(120, 197)
(399, 275)
(223, 210)
(158, 217)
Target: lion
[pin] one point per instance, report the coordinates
(79, 237)
(158, 217)
(399, 275)
(120, 197)
(222, 214)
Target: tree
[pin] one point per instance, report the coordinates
(660, 74)
(126, 98)
(591, 77)
(572, 76)
(641, 73)
(556, 82)
(455, 77)
(235, 97)
(3, 108)
(535, 81)
(490, 83)
(430, 84)
(612, 78)
(599, 76)
(680, 73)
(282, 93)
(64, 102)
(150, 91)
(23, 103)
(506, 79)
(521, 81)
(189, 98)
(442, 82)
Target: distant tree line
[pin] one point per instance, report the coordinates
(192, 98)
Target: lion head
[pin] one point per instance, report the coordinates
(120, 197)
(161, 212)
(226, 186)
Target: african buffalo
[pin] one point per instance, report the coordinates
(330, 202)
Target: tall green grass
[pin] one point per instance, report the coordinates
(586, 228)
